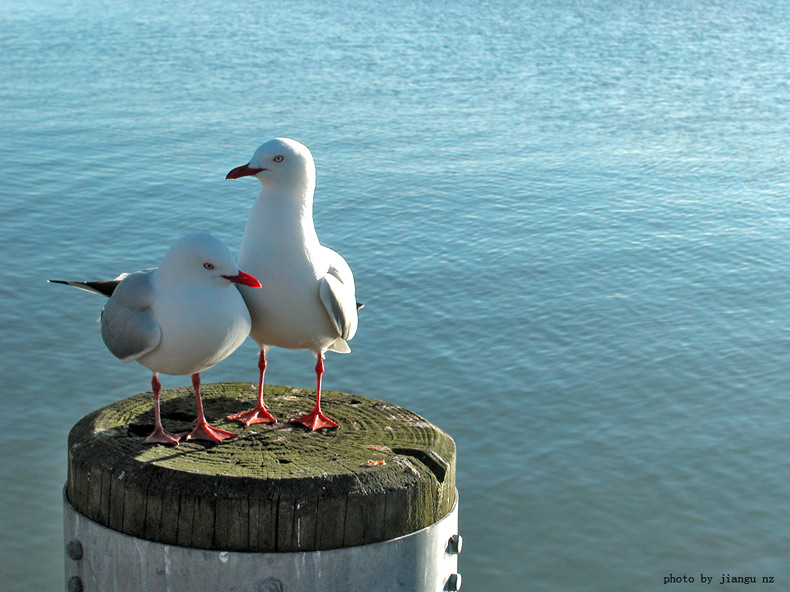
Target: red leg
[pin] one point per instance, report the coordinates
(315, 420)
(259, 413)
(159, 435)
(202, 430)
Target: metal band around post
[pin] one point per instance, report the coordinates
(422, 561)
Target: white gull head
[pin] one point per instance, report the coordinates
(280, 162)
(199, 258)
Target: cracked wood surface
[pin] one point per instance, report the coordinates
(276, 487)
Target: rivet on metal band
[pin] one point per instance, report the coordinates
(74, 550)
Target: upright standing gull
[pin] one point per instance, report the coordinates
(307, 300)
(182, 318)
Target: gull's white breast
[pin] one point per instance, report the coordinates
(201, 326)
(287, 311)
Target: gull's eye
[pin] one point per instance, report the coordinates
(278, 158)
(208, 266)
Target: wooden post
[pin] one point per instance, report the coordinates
(385, 475)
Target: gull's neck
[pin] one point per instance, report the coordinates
(284, 214)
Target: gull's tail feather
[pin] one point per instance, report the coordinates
(103, 288)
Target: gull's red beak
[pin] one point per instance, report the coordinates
(244, 170)
(243, 278)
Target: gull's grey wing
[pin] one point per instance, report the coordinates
(128, 325)
(337, 296)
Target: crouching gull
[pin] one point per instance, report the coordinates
(307, 300)
(182, 318)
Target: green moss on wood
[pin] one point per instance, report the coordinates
(276, 487)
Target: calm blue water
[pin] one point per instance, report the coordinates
(569, 222)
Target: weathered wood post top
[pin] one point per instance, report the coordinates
(276, 489)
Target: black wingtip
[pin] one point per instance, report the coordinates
(104, 288)
(360, 306)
